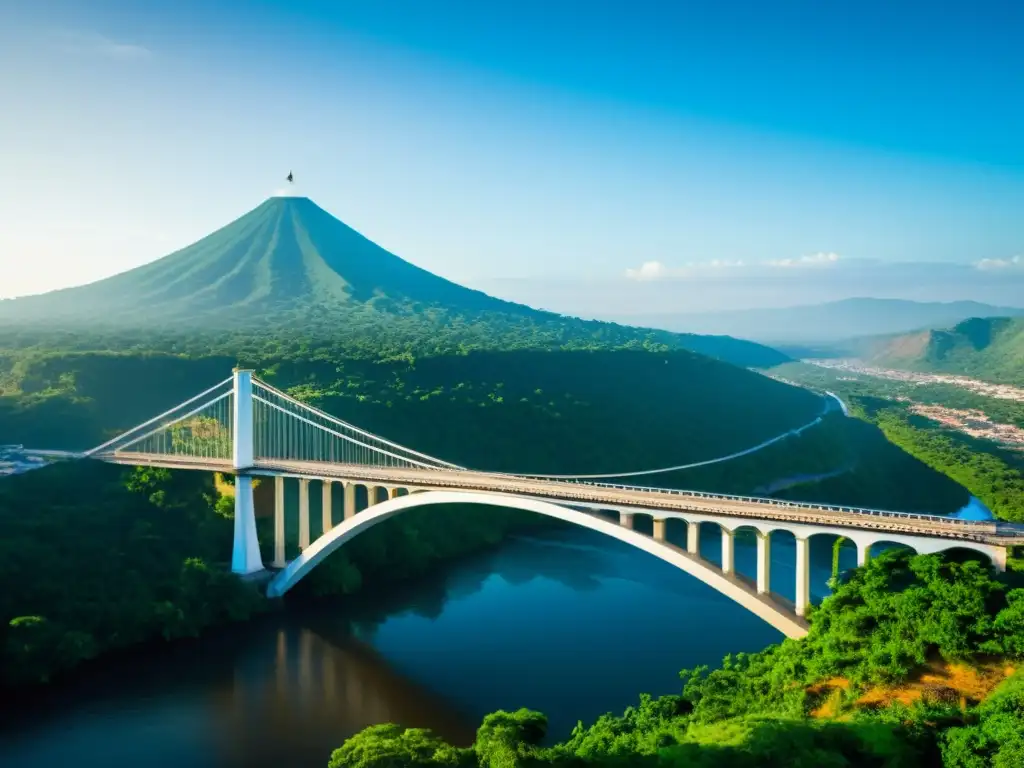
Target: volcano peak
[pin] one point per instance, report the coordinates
(286, 256)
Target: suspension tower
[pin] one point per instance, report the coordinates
(245, 556)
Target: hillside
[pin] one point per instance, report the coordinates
(991, 349)
(291, 266)
(823, 323)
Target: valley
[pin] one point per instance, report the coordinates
(332, 320)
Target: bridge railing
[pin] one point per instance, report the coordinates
(984, 525)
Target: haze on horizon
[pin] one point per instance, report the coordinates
(621, 158)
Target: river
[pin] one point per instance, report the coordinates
(569, 623)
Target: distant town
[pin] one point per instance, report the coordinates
(998, 391)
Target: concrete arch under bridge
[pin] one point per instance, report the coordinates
(754, 594)
(762, 605)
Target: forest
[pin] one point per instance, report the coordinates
(854, 692)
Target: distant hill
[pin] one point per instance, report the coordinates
(824, 323)
(288, 265)
(990, 349)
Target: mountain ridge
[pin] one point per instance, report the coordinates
(824, 323)
(987, 348)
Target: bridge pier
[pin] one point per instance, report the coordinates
(326, 514)
(245, 555)
(659, 530)
(803, 575)
(626, 520)
(693, 538)
(279, 558)
(863, 554)
(303, 513)
(764, 563)
(728, 551)
(392, 493)
(349, 500)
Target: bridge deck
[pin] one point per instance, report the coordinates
(622, 497)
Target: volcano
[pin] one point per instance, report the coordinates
(288, 265)
(285, 256)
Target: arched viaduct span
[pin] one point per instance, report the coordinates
(786, 621)
(245, 427)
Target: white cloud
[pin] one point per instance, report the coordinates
(656, 270)
(93, 44)
(815, 259)
(992, 265)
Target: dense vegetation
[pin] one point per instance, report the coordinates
(95, 558)
(104, 558)
(799, 703)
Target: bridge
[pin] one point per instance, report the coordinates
(246, 427)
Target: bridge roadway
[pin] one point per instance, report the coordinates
(602, 495)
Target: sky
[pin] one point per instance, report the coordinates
(585, 157)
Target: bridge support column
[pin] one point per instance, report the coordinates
(626, 520)
(764, 563)
(349, 500)
(693, 538)
(659, 530)
(863, 554)
(245, 557)
(303, 513)
(803, 575)
(326, 515)
(999, 556)
(392, 493)
(279, 559)
(371, 495)
(728, 551)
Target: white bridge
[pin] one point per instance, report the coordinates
(246, 427)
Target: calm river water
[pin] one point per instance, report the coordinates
(569, 623)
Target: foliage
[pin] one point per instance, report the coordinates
(995, 733)
(880, 627)
(103, 558)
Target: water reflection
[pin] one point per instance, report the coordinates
(273, 696)
(571, 623)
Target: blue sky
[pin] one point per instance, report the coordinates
(643, 155)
